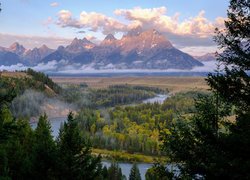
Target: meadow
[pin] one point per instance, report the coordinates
(173, 84)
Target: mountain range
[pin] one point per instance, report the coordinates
(206, 57)
(138, 49)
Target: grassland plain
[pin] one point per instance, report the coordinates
(173, 84)
(13, 74)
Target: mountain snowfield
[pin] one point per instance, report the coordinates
(141, 50)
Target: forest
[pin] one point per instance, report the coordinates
(108, 97)
(134, 129)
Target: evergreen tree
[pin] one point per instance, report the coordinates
(234, 85)
(198, 143)
(134, 173)
(19, 151)
(7, 125)
(209, 146)
(75, 154)
(86, 166)
(104, 173)
(234, 40)
(158, 172)
(44, 150)
(115, 172)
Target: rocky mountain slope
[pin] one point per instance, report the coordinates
(137, 49)
(206, 57)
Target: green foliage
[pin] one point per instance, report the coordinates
(25, 94)
(44, 150)
(158, 172)
(115, 172)
(10, 87)
(104, 172)
(44, 79)
(123, 156)
(122, 94)
(17, 151)
(7, 91)
(108, 97)
(134, 129)
(75, 154)
(183, 102)
(208, 146)
(33, 154)
(233, 85)
(198, 142)
(134, 173)
(77, 94)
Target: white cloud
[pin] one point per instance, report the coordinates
(54, 4)
(65, 19)
(198, 26)
(96, 21)
(92, 21)
(196, 31)
(141, 14)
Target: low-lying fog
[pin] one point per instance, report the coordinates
(64, 67)
(32, 103)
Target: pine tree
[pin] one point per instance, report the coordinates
(134, 173)
(208, 145)
(44, 150)
(75, 156)
(234, 40)
(234, 85)
(104, 173)
(114, 172)
(158, 172)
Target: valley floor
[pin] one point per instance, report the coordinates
(173, 84)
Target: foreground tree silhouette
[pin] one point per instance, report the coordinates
(115, 172)
(75, 156)
(134, 173)
(234, 85)
(44, 150)
(209, 145)
(158, 172)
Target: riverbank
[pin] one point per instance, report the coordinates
(122, 156)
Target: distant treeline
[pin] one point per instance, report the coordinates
(109, 97)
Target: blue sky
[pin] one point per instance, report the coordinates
(42, 21)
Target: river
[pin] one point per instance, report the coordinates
(125, 167)
(55, 125)
(56, 122)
